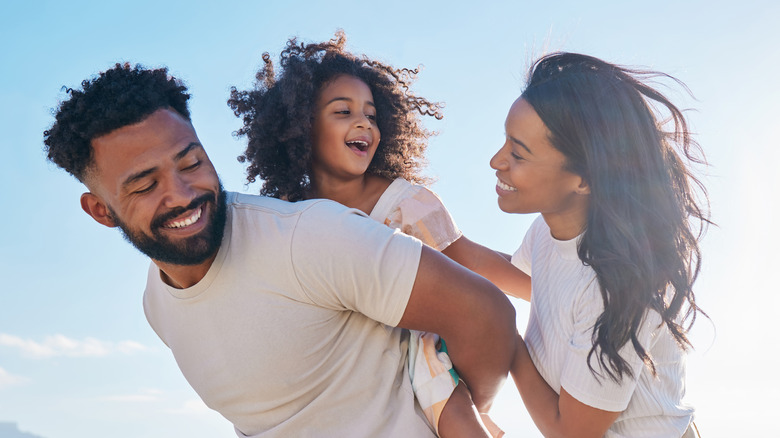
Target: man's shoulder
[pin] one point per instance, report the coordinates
(277, 206)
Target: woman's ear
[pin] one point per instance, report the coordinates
(95, 207)
(583, 188)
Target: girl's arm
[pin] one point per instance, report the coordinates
(555, 415)
(493, 265)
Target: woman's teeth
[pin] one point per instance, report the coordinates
(506, 187)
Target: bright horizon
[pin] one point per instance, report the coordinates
(77, 357)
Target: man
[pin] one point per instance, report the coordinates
(280, 315)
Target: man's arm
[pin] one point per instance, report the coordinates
(472, 315)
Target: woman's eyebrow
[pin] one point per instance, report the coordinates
(516, 141)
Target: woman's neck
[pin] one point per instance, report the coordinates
(361, 193)
(568, 224)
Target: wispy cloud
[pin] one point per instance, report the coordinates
(193, 406)
(61, 345)
(145, 396)
(8, 379)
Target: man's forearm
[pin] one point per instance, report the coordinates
(483, 353)
(472, 315)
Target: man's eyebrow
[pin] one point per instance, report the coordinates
(187, 150)
(516, 141)
(179, 155)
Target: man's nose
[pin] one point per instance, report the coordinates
(179, 192)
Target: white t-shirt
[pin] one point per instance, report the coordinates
(565, 303)
(289, 333)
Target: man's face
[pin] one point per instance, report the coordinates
(155, 182)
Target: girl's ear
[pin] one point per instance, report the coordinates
(95, 207)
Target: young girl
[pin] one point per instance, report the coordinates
(613, 255)
(337, 126)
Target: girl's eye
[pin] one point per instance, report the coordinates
(371, 116)
(343, 112)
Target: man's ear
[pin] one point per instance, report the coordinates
(93, 206)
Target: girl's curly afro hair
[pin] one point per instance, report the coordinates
(278, 116)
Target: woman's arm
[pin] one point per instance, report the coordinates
(493, 265)
(556, 416)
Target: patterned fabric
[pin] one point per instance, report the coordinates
(416, 211)
(432, 375)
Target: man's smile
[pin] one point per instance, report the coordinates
(187, 221)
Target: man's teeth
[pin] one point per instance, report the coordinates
(506, 187)
(186, 222)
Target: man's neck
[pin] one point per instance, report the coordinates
(184, 276)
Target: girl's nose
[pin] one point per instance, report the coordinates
(363, 121)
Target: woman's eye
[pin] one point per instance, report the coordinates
(516, 157)
(343, 112)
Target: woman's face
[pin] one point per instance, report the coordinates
(532, 175)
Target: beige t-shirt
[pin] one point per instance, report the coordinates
(289, 333)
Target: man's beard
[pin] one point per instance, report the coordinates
(189, 251)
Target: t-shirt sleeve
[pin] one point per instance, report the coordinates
(522, 257)
(424, 216)
(346, 261)
(600, 391)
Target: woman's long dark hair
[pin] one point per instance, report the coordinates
(645, 216)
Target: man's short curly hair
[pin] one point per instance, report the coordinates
(278, 116)
(124, 95)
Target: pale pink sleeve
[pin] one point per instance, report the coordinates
(425, 217)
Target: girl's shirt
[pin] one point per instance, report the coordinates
(416, 211)
(565, 304)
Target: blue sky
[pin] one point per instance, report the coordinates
(77, 358)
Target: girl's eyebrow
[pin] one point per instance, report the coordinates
(347, 99)
(516, 141)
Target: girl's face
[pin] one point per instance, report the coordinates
(345, 133)
(531, 172)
